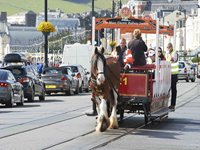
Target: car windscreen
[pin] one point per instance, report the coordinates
(181, 65)
(52, 71)
(18, 72)
(3, 75)
(74, 69)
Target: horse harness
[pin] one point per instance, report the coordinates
(98, 89)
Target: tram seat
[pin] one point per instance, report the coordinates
(145, 67)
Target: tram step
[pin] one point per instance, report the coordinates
(160, 113)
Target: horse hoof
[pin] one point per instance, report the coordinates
(113, 127)
(102, 125)
(113, 123)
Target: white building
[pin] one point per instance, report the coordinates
(4, 40)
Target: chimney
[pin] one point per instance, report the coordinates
(3, 17)
(30, 19)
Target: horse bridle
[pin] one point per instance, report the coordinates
(93, 77)
(104, 64)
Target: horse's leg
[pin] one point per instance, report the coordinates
(98, 101)
(113, 116)
(103, 120)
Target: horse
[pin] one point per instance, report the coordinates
(105, 79)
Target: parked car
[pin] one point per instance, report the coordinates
(26, 75)
(11, 91)
(186, 71)
(59, 80)
(81, 75)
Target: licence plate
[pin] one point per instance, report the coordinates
(50, 86)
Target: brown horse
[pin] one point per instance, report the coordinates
(105, 78)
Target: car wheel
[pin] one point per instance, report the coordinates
(42, 96)
(77, 89)
(81, 88)
(193, 80)
(87, 90)
(48, 93)
(69, 90)
(10, 103)
(21, 103)
(31, 96)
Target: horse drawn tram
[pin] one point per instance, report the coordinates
(140, 92)
(142, 89)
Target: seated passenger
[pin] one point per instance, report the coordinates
(160, 54)
(151, 56)
(138, 47)
(121, 49)
(128, 59)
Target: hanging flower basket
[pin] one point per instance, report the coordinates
(113, 44)
(46, 27)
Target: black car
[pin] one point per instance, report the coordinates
(11, 91)
(25, 74)
(32, 85)
(60, 80)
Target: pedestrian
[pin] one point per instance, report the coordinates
(172, 56)
(39, 68)
(138, 47)
(93, 112)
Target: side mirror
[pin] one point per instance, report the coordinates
(73, 74)
(39, 75)
(87, 73)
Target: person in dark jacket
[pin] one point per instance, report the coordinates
(138, 47)
(121, 49)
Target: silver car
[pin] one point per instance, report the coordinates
(186, 71)
(81, 75)
(11, 91)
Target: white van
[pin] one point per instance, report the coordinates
(77, 53)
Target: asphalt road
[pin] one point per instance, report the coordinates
(59, 123)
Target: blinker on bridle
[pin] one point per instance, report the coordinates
(104, 63)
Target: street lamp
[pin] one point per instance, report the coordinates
(45, 36)
(184, 25)
(92, 8)
(120, 4)
(113, 15)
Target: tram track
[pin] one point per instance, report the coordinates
(143, 125)
(42, 120)
(137, 126)
(54, 145)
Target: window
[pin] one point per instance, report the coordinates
(181, 65)
(74, 69)
(11, 77)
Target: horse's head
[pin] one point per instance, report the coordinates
(98, 64)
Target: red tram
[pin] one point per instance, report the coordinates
(143, 90)
(140, 92)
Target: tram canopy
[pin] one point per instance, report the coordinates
(146, 25)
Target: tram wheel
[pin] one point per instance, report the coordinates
(146, 119)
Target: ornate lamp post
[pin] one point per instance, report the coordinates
(184, 25)
(113, 15)
(45, 36)
(45, 27)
